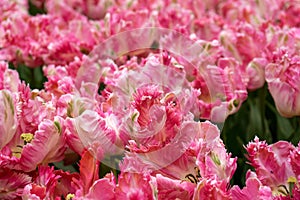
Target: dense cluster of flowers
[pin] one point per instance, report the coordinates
(144, 81)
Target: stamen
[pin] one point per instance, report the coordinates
(191, 178)
(197, 172)
(284, 191)
(27, 137)
(70, 196)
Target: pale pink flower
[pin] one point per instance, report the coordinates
(47, 145)
(75, 8)
(97, 9)
(72, 139)
(222, 90)
(244, 42)
(28, 150)
(256, 73)
(281, 38)
(233, 11)
(93, 65)
(38, 3)
(98, 133)
(172, 159)
(8, 8)
(8, 117)
(12, 183)
(9, 79)
(283, 83)
(212, 158)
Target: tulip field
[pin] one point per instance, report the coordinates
(149, 99)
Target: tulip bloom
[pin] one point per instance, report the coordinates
(283, 81)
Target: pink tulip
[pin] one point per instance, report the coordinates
(283, 82)
(254, 189)
(42, 186)
(212, 190)
(272, 164)
(135, 186)
(12, 183)
(171, 189)
(8, 117)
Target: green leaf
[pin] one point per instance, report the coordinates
(60, 165)
(284, 127)
(33, 10)
(32, 76)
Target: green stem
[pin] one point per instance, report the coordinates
(262, 106)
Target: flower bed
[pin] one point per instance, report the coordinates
(152, 99)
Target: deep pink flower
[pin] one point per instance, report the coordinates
(211, 189)
(67, 183)
(103, 188)
(89, 186)
(58, 81)
(254, 189)
(290, 10)
(172, 159)
(43, 185)
(271, 163)
(135, 186)
(12, 183)
(294, 159)
(168, 188)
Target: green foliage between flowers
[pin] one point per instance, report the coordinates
(257, 116)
